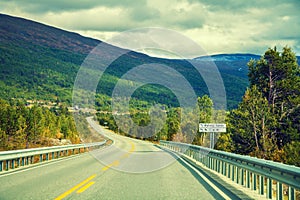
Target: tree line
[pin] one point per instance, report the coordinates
(179, 125)
(24, 126)
(266, 123)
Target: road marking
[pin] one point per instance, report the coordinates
(126, 155)
(225, 196)
(115, 163)
(75, 188)
(132, 147)
(85, 187)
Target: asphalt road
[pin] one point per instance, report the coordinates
(128, 169)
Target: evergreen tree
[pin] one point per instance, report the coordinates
(267, 121)
(36, 125)
(277, 76)
(252, 125)
(3, 140)
(205, 105)
(19, 135)
(173, 121)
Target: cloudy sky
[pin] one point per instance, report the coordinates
(219, 26)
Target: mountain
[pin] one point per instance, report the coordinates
(41, 62)
(14, 30)
(229, 57)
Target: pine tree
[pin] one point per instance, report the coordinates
(3, 140)
(205, 105)
(267, 121)
(252, 125)
(277, 76)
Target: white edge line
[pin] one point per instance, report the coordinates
(201, 175)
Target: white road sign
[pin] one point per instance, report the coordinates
(211, 127)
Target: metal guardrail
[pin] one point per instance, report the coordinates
(250, 172)
(18, 158)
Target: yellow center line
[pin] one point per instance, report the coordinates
(85, 187)
(115, 163)
(132, 147)
(126, 155)
(75, 188)
(86, 184)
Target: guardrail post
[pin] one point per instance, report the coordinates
(248, 179)
(222, 169)
(216, 165)
(292, 195)
(208, 162)
(41, 157)
(242, 175)
(47, 156)
(279, 191)
(23, 161)
(253, 185)
(202, 158)
(53, 155)
(261, 184)
(13, 163)
(31, 159)
(232, 172)
(7, 163)
(269, 188)
(237, 175)
(229, 171)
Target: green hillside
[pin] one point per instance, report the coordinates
(41, 62)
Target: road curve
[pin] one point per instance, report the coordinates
(128, 169)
